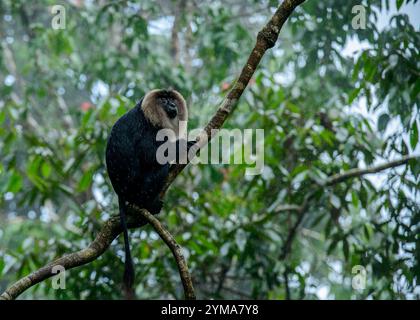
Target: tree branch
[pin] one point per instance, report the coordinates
(176, 251)
(353, 173)
(110, 230)
(361, 172)
(266, 39)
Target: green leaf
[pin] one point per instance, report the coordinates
(399, 4)
(383, 122)
(353, 95)
(1, 266)
(46, 170)
(292, 107)
(354, 198)
(85, 181)
(414, 135)
(415, 167)
(416, 90)
(367, 231)
(332, 246)
(2, 116)
(15, 183)
(356, 69)
(346, 249)
(363, 196)
(328, 137)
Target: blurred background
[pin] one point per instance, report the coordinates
(329, 97)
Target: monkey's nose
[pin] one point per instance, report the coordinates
(172, 113)
(171, 110)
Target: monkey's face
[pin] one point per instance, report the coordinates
(165, 108)
(169, 103)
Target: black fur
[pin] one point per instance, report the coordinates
(135, 174)
(131, 161)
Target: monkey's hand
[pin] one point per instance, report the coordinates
(190, 144)
(183, 150)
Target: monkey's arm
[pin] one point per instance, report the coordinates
(182, 149)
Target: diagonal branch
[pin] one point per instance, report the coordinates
(176, 251)
(109, 231)
(266, 39)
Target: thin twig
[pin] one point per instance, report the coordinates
(353, 173)
(361, 172)
(286, 284)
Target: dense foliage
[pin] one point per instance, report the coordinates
(329, 97)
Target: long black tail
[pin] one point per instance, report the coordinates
(129, 268)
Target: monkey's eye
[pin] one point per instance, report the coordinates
(165, 100)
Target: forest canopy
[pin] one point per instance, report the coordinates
(334, 212)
